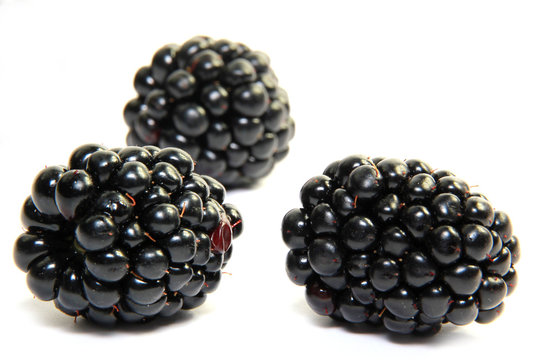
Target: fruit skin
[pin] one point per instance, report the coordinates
(125, 235)
(219, 101)
(392, 243)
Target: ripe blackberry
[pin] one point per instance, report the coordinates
(393, 243)
(125, 235)
(217, 100)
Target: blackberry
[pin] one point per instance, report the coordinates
(219, 101)
(125, 234)
(393, 243)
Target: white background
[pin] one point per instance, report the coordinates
(463, 85)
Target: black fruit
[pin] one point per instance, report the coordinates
(393, 243)
(125, 235)
(217, 100)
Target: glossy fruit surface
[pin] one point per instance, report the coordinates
(393, 243)
(127, 235)
(220, 103)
